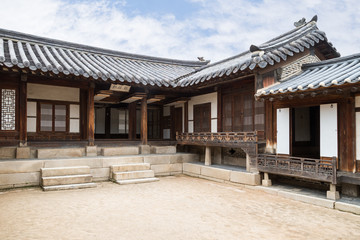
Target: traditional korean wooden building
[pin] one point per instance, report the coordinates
(56, 93)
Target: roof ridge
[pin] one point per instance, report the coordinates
(330, 61)
(20, 36)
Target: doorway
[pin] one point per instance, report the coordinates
(305, 132)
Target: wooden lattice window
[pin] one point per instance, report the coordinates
(53, 117)
(8, 109)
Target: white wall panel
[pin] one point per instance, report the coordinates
(328, 130)
(74, 111)
(283, 131)
(31, 109)
(31, 124)
(49, 92)
(74, 125)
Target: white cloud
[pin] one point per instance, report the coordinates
(220, 29)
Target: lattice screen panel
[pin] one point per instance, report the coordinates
(8, 97)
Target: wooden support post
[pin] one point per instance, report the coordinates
(91, 116)
(186, 117)
(23, 111)
(144, 129)
(172, 129)
(207, 156)
(132, 121)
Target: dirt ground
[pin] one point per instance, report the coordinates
(173, 208)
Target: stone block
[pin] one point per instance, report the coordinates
(70, 162)
(266, 182)
(100, 174)
(176, 167)
(7, 152)
(60, 153)
(133, 175)
(162, 149)
(20, 166)
(69, 186)
(91, 151)
(347, 207)
(63, 171)
(333, 195)
(190, 157)
(118, 151)
(245, 178)
(191, 168)
(130, 167)
(350, 190)
(23, 152)
(20, 178)
(307, 199)
(144, 149)
(157, 159)
(176, 158)
(161, 168)
(66, 180)
(109, 161)
(217, 173)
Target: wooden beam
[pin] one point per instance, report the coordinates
(91, 116)
(144, 129)
(23, 110)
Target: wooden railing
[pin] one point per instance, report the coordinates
(220, 138)
(315, 169)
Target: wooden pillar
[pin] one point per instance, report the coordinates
(219, 110)
(207, 156)
(144, 129)
(23, 111)
(172, 129)
(132, 121)
(91, 116)
(186, 117)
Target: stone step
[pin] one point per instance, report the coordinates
(130, 167)
(64, 171)
(135, 181)
(65, 180)
(133, 175)
(69, 186)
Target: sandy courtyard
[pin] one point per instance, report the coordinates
(173, 208)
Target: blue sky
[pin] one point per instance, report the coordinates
(214, 29)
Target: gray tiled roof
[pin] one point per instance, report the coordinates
(43, 54)
(288, 44)
(334, 72)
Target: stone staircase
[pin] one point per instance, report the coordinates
(62, 178)
(132, 173)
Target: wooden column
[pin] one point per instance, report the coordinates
(347, 148)
(186, 117)
(132, 121)
(219, 110)
(144, 129)
(172, 129)
(91, 115)
(23, 111)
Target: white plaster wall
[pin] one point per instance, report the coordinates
(31, 117)
(283, 131)
(328, 130)
(74, 125)
(206, 98)
(74, 111)
(49, 92)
